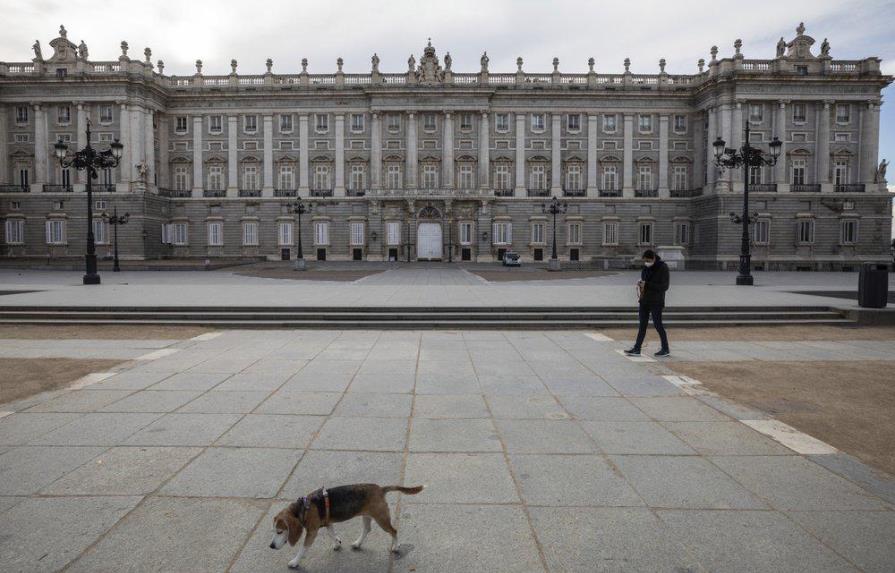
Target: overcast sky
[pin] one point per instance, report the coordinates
(681, 31)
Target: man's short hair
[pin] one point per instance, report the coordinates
(649, 254)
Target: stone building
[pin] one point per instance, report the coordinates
(431, 164)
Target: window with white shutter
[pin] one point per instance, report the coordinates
(15, 231)
(393, 233)
(100, 231)
(610, 233)
(574, 233)
(357, 233)
(250, 233)
(465, 233)
(502, 233)
(321, 233)
(56, 232)
(284, 234)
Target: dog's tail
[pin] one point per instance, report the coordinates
(408, 490)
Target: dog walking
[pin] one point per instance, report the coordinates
(654, 281)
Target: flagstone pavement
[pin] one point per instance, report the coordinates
(541, 451)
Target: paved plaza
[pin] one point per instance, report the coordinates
(542, 451)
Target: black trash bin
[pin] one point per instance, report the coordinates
(873, 285)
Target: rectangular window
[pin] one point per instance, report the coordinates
(21, 114)
(840, 173)
(682, 234)
(393, 233)
(537, 122)
(573, 178)
(358, 180)
(798, 113)
(756, 112)
(537, 233)
(806, 231)
(645, 178)
(680, 124)
(215, 123)
(321, 178)
(286, 123)
(180, 124)
(215, 234)
(216, 178)
(465, 121)
(63, 115)
(465, 233)
(357, 122)
(321, 233)
(610, 178)
(466, 176)
(848, 232)
(430, 176)
(284, 234)
(610, 233)
(24, 173)
(645, 236)
(56, 232)
(15, 231)
(843, 113)
(105, 114)
(755, 173)
(609, 124)
(645, 123)
(250, 123)
(429, 121)
(761, 232)
(250, 233)
(100, 231)
(538, 177)
(287, 177)
(356, 233)
(573, 122)
(502, 122)
(394, 122)
(178, 233)
(502, 177)
(502, 233)
(842, 137)
(798, 172)
(250, 178)
(393, 177)
(321, 122)
(679, 179)
(181, 178)
(574, 233)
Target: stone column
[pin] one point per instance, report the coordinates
(697, 176)
(520, 156)
(303, 155)
(164, 176)
(339, 190)
(267, 189)
(726, 121)
(411, 181)
(780, 131)
(447, 153)
(710, 136)
(127, 153)
(822, 174)
(736, 139)
(663, 156)
(138, 143)
(628, 176)
(149, 150)
(484, 151)
(870, 145)
(592, 187)
(198, 180)
(232, 156)
(82, 135)
(5, 177)
(556, 154)
(41, 147)
(376, 154)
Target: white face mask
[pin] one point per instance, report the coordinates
(648, 265)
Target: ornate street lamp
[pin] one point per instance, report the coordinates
(116, 221)
(555, 208)
(91, 161)
(745, 157)
(299, 208)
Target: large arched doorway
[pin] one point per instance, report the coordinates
(429, 237)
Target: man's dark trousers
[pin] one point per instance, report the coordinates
(654, 310)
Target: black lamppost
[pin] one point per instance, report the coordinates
(116, 221)
(745, 157)
(299, 208)
(91, 161)
(555, 208)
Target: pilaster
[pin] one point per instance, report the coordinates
(267, 189)
(82, 135)
(411, 181)
(592, 190)
(124, 165)
(232, 157)
(870, 144)
(520, 155)
(484, 151)
(736, 138)
(4, 149)
(164, 177)
(556, 154)
(198, 179)
(447, 152)
(628, 175)
(149, 149)
(376, 153)
(822, 174)
(303, 156)
(780, 131)
(663, 156)
(41, 146)
(711, 169)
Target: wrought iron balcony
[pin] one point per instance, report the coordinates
(214, 193)
(849, 188)
(681, 193)
(763, 187)
(504, 193)
(249, 192)
(574, 192)
(285, 192)
(57, 189)
(805, 187)
(538, 192)
(14, 189)
(610, 192)
(356, 192)
(321, 192)
(646, 192)
(104, 188)
(174, 192)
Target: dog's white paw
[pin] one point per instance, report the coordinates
(293, 564)
(355, 545)
(337, 546)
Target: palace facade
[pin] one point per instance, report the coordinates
(430, 164)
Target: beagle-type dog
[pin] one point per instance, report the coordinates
(322, 508)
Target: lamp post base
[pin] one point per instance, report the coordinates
(745, 280)
(553, 265)
(91, 279)
(300, 265)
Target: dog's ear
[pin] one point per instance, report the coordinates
(294, 528)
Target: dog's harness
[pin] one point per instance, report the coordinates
(319, 498)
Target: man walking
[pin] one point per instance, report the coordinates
(651, 287)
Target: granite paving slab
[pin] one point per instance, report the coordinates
(564, 480)
(234, 472)
(460, 478)
(863, 537)
(272, 431)
(319, 468)
(27, 469)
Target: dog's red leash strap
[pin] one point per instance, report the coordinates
(326, 506)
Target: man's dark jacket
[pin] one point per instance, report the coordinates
(656, 281)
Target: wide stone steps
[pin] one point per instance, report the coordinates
(414, 317)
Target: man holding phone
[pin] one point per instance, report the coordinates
(654, 281)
